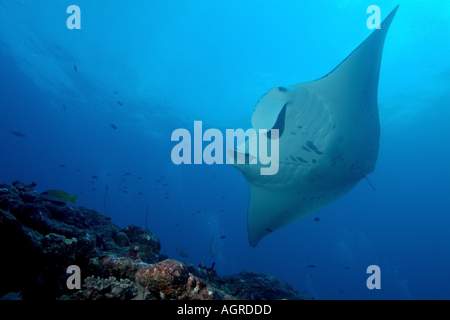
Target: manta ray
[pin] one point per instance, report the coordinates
(328, 138)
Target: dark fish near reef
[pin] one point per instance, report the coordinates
(316, 219)
(113, 126)
(120, 103)
(182, 253)
(311, 266)
(19, 134)
(212, 253)
(58, 196)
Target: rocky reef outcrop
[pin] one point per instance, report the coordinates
(40, 239)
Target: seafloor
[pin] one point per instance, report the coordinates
(40, 239)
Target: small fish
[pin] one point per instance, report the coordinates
(120, 103)
(222, 237)
(78, 170)
(347, 268)
(140, 193)
(316, 219)
(212, 253)
(182, 253)
(58, 196)
(19, 134)
(113, 126)
(75, 68)
(311, 266)
(64, 107)
(94, 177)
(62, 166)
(115, 92)
(147, 251)
(126, 174)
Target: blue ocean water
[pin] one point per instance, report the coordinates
(170, 63)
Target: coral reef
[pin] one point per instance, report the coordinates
(170, 279)
(40, 239)
(102, 289)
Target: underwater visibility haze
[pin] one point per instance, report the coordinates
(88, 114)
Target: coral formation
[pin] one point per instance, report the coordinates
(43, 238)
(109, 288)
(170, 279)
(122, 239)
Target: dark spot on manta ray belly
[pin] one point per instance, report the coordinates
(311, 145)
(306, 149)
(282, 89)
(302, 160)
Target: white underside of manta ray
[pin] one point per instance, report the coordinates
(329, 134)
